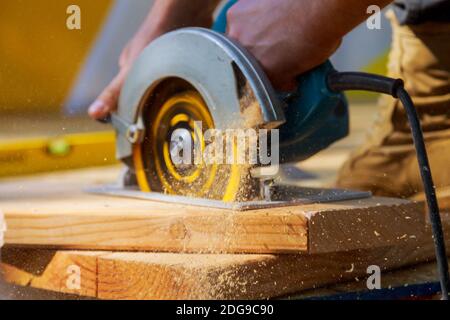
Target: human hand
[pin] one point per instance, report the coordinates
(165, 16)
(289, 37)
(107, 100)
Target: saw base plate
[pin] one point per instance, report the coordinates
(303, 196)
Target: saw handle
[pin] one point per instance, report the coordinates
(316, 116)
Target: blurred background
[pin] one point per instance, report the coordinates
(49, 75)
(46, 67)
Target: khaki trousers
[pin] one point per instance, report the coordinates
(386, 164)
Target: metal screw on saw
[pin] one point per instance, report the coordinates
(133, 134)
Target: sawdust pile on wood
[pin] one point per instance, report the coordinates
(220, 284)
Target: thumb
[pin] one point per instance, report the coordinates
(108, 99)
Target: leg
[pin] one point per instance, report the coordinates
(386, 163)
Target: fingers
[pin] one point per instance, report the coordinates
(108, 99)
(124, 56)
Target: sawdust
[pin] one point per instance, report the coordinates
(250, 112)
(250, 107)
(2, 228)
(223, 283)
(227, 277)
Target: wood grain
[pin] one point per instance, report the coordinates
(139, 275)
(176, 276)
(52, 211)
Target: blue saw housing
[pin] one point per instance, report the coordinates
(316, 117)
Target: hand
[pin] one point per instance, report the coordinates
(165, 16)
(290, 37)
(107, 100)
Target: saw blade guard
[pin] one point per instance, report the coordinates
(187, 77)
(218, 69)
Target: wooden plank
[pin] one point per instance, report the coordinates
(123, 274)
(52, 211)
(50, 270)
(130, 275)
(378, 221)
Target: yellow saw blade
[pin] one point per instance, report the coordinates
(178, 106)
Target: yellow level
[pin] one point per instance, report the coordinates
(37, 155)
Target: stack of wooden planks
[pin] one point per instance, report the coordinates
(63, 240)
(138, 249)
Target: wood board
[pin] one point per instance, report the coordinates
(52, 211)
(140, 275)
(144, 275)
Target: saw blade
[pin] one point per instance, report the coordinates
(176, 107)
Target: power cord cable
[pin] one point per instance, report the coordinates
(344, 81)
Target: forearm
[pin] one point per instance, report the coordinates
(169, 15)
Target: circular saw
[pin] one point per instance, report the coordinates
(198, 76)
(188, 77)
(194, 79)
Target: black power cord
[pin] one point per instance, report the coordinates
(342, 81)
